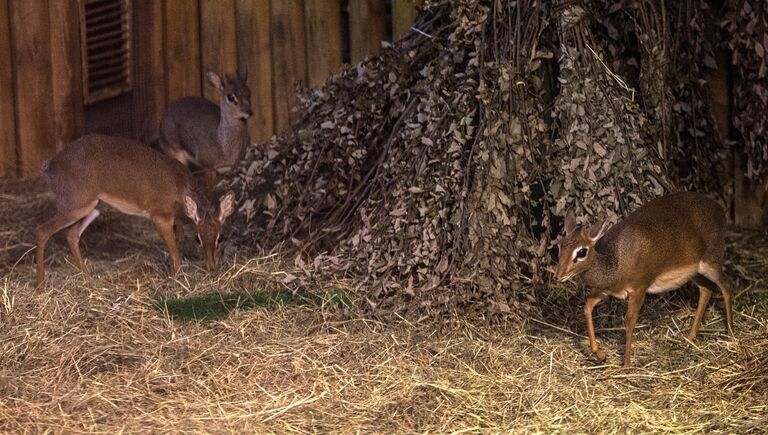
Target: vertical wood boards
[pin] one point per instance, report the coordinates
(31, 46)
(218, 41)
(403, 15)
(67, 70)
(255, 52)
(148, 62)
(289, 65)
(182, 49)
(8, 158)
(367, 28)
(323, 33)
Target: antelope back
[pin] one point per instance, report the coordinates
(117, 170)
(673, 234)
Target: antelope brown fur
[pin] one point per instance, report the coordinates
(134, 179)
(211, 137)
(662, 245)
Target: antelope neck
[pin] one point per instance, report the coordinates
(601, 274)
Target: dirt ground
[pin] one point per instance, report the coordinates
(97, 355)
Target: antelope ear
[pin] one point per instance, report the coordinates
(570, 222)
(214, 80)
(226, 206)
(596, 231)
(190, 209)
(243, 73)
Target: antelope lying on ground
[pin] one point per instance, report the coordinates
(197, 132)
(659, 247)
(134, 179)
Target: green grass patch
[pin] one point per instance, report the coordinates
(217, 305)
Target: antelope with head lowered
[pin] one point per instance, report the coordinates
(211, 137)
(662, 245)
(134, 179)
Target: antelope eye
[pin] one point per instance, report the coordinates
(581, 253)
(231, 98)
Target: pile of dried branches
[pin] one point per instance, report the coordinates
(747, 28)
(440, 169)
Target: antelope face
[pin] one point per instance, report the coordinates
(235, 99)
(575, 255)
(576, 248)
(209, 222)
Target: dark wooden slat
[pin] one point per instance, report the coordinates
(123, 51)
(8, 142)
(106, 43)
(104, 74)
(98, 10)
(67, 71)
(106, 62)
(218, 41)
(255, 53)
(101, 20)
(95, 28)
(114, 36)
(182, 49)
(367, 28)
(32, 59)
(323, 33)
(289, 65)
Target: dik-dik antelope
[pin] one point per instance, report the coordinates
(662, 245)
(134, 179)
(210, 137)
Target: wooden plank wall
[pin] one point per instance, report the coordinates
(181, 25)
(366, 30)
(149, 92)
(403, 16)
(287, 24)
(322, 21)
(254, 51)
(218, 41)
(8, 158)
(33, 87)
(67, 69)
(283, 43)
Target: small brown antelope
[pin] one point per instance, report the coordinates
(197, 132)
(134, 179)
(662, 245)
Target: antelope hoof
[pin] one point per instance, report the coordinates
(599, 355)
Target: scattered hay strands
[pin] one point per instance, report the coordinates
(98, 356)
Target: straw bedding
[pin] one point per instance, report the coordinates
(97, 355)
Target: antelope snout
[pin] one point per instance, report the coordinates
(211, 258)
(563, 274)
(245, 114)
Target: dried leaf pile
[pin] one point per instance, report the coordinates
(439, 171)
(747, 27)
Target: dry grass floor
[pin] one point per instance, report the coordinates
(95, 355)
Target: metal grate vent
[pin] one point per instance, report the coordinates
(106, 48)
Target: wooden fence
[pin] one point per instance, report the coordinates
(173, 44)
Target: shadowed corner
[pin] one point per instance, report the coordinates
(219, 305)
